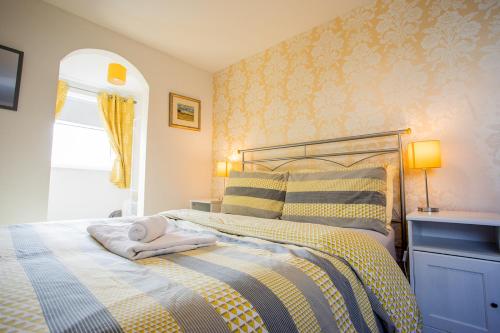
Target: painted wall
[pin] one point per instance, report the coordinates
(178, 161)
(78, 194)
(433, 66)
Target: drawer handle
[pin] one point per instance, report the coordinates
(494, 305)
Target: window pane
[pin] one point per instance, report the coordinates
(80, 147)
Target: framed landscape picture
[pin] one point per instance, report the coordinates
(185, 112)
(11, 64)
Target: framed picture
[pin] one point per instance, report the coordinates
(11, 65)
(185, 112)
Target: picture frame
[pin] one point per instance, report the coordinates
(11, 66)
(185, 112)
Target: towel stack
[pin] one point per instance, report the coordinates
(147, 237)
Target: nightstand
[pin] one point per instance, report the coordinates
(455, 270)
(207, 205)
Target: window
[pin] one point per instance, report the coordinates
(81, 147)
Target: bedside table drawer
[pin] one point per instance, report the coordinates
(203, 206)
(208, 205)
(457, 294)
(428, 329)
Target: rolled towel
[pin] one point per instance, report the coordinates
(114, 237)
(148, 228)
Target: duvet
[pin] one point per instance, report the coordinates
(262, 276)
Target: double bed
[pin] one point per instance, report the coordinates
(262, 275)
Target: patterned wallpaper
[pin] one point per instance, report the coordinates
(432, 65)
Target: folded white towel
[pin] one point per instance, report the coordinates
(148, 228)
(115, 239)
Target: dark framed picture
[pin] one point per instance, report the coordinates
(11, 65)
(185, 112)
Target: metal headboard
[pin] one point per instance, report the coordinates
(371, 153)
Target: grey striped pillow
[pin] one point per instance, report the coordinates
(258, 194)
(353, 198)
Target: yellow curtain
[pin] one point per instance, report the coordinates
(118, 115)
(62, 92)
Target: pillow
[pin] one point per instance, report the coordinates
(258, 194)
(349, 198)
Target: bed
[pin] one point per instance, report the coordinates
(387, 241)
(263, 275)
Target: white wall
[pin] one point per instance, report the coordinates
(178, 161)
(77, 194)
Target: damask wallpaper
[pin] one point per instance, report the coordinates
(431, 65)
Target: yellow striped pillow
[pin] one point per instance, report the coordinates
(259, 194)
(351, 198)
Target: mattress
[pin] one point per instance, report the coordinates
(386, 241)
(261, 276)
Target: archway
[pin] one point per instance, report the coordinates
(85, 72)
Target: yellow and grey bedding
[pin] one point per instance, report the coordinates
(354, 198)
(359, 197)
(262, 276)
(259, 194)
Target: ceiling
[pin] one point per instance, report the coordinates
(209, 34)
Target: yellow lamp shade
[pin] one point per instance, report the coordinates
(234, 157)
(424, 154)
(223, 168)
(117, 74)
(235, 162)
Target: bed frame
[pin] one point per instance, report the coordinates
(365, 154)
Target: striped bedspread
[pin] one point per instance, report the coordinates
(262, 276)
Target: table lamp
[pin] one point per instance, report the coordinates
(222, 170)
(425, 155)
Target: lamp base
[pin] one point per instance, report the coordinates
(428, 209)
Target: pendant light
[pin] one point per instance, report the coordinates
(117, 74)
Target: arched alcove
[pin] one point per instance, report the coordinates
(85, 71)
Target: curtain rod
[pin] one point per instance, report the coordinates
(90, 91)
